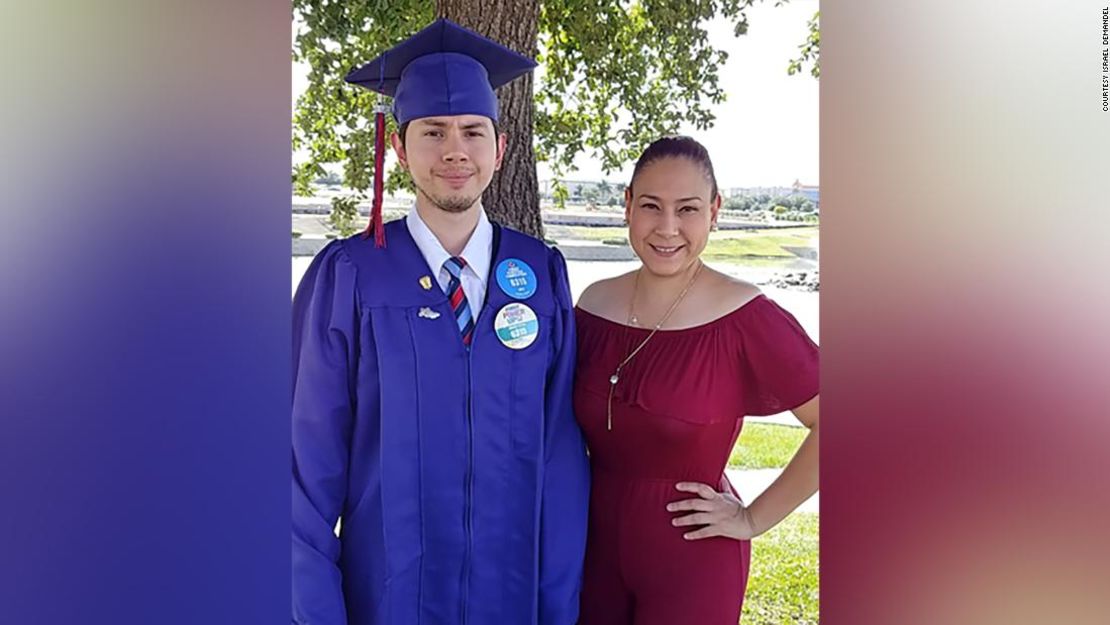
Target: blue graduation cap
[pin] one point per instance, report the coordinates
(444, 69)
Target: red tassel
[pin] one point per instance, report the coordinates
(379, 160)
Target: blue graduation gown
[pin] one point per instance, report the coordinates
(460, 475)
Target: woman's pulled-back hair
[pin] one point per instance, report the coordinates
(677, 146)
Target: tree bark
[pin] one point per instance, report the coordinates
(512, 198)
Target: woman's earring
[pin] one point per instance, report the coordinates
(713, 227)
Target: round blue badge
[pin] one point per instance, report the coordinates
(516, 278)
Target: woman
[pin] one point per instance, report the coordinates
(671, 357)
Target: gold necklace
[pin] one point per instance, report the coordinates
(632, 319)
(613, 379)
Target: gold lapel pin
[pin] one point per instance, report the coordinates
(426, 282)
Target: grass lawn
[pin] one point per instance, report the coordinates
(763, 243)
(765, 446)
(734, 247)
(782, 583)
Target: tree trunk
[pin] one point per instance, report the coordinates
(513, 196)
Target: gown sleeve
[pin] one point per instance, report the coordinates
(325, 314)
(780, 362)
(566, 481)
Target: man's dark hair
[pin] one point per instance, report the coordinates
(675, 146)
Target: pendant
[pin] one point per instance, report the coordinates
(613, 379)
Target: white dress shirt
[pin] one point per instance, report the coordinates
(477, 254)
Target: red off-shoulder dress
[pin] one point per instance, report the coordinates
(677, 411)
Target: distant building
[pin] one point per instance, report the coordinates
(756, 191)
(810, 192)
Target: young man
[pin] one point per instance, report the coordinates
(432, 383)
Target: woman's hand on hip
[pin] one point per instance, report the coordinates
(718, 513)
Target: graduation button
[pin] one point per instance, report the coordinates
(516, 278)
(516, 326)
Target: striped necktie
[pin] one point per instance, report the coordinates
(457, 297)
